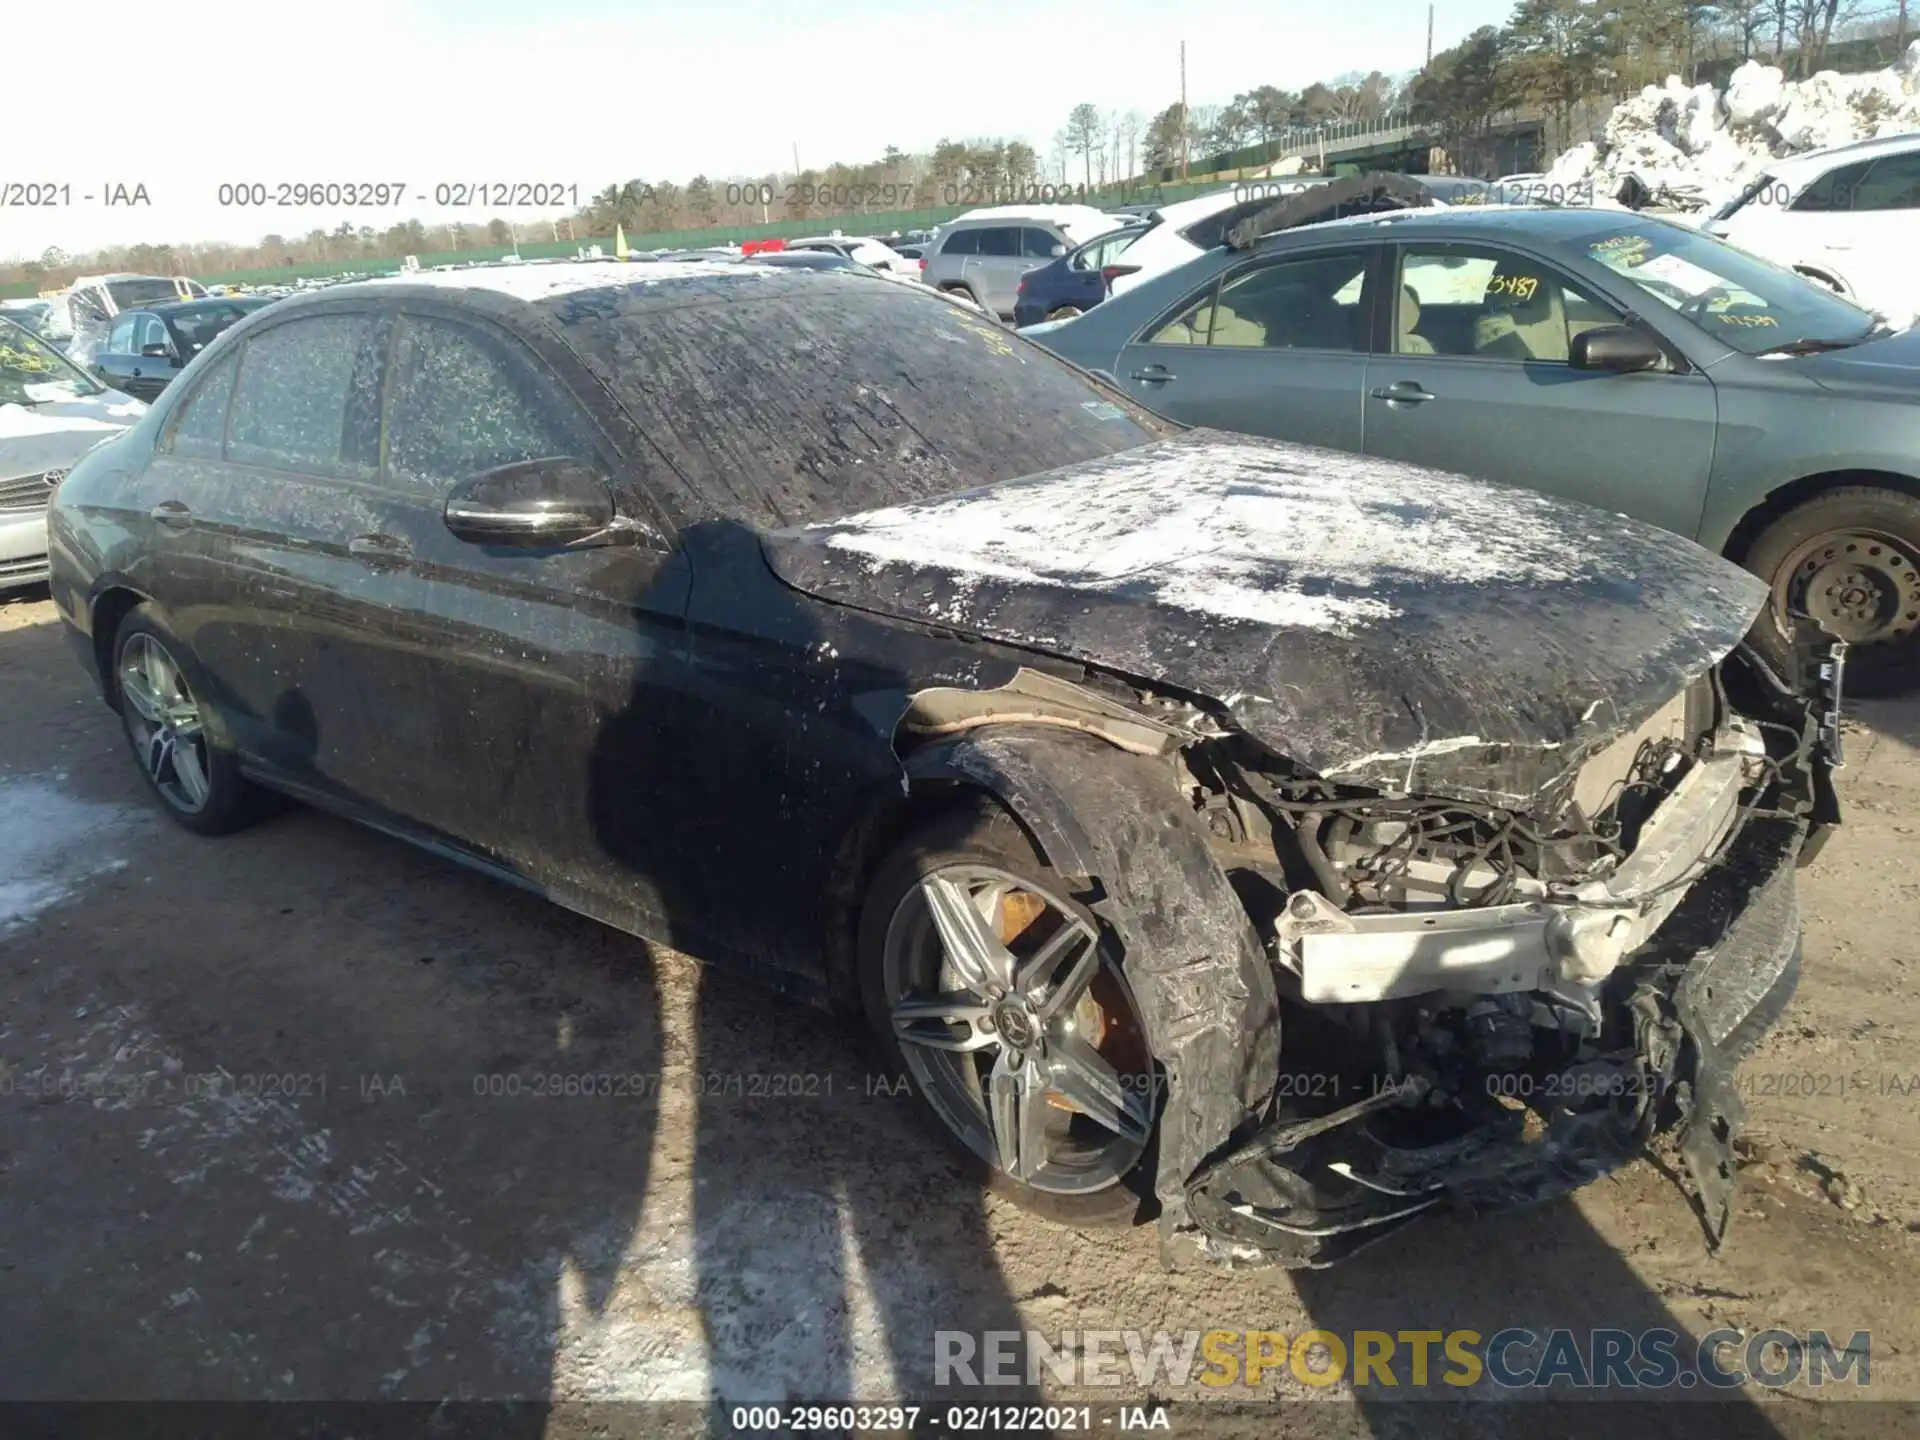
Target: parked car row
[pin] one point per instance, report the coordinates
(51, 413)
(1104, 765)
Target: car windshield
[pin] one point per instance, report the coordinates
(32, 371)
(809, 398)
(1739, 299)
(132, 294)
(28, 317)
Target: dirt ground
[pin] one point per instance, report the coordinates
(267, 1131)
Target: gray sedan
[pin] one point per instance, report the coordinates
(1610, 357)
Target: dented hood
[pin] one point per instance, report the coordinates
(1382, 624)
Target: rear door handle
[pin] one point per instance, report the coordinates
(379, 549)
(1154, 375)
(1410, 392)
(172, 514)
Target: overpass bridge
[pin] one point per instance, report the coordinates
(1395, 141)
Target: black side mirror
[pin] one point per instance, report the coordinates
(542, 504)
(1619, 348)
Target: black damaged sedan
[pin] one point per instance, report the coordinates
(1122, 775)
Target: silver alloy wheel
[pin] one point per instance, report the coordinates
(1018, 1029)
(163, 721)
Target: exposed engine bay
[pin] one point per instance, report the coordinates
(1491, 1006)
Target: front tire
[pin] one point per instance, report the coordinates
(1851, 559)
(196, 778)
(999, 996)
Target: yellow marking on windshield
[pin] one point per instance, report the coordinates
(23, 362)
(1628, 250)
(1747, 320)
(1518, 287)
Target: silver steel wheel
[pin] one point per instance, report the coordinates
(1018, 1029)
(1863, 585)
(163, 721)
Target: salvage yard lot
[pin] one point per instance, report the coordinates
(276, 1123)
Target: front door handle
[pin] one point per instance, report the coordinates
(1409, 392)
(172, 514)
(379, 550)
(1154, 375)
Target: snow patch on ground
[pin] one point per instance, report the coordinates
(1229, 529)
(1714, 143)
(51, 844)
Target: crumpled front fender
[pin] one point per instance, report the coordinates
(1114, 825)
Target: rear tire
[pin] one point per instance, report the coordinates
(1103, 1176)
(158, 689)
(1851, 558)
(1066, 312)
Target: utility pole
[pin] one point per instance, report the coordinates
(796, 159)
(1429, 36)
(1186, 120)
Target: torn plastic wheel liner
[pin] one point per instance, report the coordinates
(1202, 982)
(1307, 1193)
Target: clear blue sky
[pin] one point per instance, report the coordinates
(587, 91)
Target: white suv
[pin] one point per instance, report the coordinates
(871, 253)
(1847, 217)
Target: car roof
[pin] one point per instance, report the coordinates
(1182, 212)
(1000, 214)
(191, 307)
(1818, 162)
(659, 285)
(1533, 221)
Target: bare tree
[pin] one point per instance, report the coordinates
(1083, 134)
(1130, 127)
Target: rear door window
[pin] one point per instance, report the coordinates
(1314, 302)
(307, 399)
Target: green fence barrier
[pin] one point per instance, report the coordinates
(865, 223)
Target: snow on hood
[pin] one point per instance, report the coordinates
(1714, 143)
(55, 433)
(1380, 622)
(1197, 528)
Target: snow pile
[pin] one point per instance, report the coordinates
(1695, 140)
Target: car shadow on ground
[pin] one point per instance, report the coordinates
(323, 1117)
(1537, 1270)
(311, 1115)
